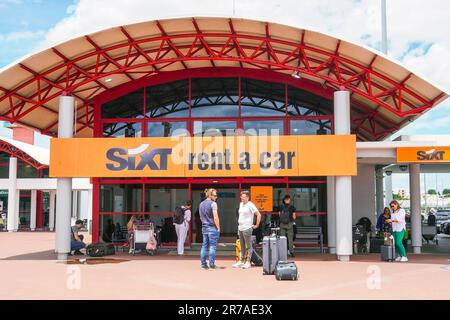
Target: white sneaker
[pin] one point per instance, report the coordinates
(398, 258)
(247, 265)
(404, 259)
(238, 264)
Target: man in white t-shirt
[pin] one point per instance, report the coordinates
(247, 212)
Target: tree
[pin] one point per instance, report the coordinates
(446, 192)
(431, 191)
(397, 197)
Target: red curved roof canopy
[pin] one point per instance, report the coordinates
(385, 95)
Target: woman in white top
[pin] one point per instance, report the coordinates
(399, 228)
(183, 228)
(247, 211)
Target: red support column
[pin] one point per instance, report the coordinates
(95, 209)
(192, 214)
(39, 207)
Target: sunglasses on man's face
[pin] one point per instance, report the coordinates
(392, 207)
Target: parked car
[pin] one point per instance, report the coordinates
(441, 216)
(445, 227)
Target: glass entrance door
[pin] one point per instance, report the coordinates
(227, 203)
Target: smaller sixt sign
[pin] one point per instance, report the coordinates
(423, 154)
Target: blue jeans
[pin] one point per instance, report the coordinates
(76, 245)
(209, 245)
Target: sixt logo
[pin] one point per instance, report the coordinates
(123, 160)
(430, 155)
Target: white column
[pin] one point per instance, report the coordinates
(331, 214)
(344, 248)
(379, 191)
(16, 212)
(33, 210)
(388, 185)
(75, 204)
(51, 211)
(416, 221)
(64, 185)
(89, 208)
(13, 216)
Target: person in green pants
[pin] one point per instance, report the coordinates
(399, 228)
(287, 218)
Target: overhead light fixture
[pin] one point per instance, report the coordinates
(108, 80)
(296, 75)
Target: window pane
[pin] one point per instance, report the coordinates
(304, 103)
(24, 170)
(310, 127)
(164, 198)
(215, 97)
(168, 100)
(261, 98)
(166, 129)
(122, 130)
(121, 198)
(214, 128)
(129, 106)
(264, 128)
(308, 198)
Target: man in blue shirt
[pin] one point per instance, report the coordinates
(210, 228)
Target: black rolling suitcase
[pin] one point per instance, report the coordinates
(256, 259)
(100, 249)
(286, 270)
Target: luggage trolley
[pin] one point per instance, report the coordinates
(142, 231)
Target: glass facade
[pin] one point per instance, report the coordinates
(210, 107)
(195, 106)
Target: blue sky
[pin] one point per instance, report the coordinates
(24, 23)
(417, 31)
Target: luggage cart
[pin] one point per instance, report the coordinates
(429, 234)
(142, 231)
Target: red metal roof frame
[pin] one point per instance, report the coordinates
(334, 71)
(22, 155)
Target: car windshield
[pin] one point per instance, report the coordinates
(443, 214)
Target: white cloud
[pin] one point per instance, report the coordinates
(21, 35)
(5, 3)
(409, 22)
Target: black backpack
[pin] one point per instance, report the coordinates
(179, 215)
(285, 214)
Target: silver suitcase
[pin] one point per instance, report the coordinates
(286, 270)
(387, 253)
(270, 254)
(282, 249)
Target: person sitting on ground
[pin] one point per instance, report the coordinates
(431, 218)
(76, 243)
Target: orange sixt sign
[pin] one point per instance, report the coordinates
(235, 156)
(429, 154)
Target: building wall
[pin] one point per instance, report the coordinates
(363, 193)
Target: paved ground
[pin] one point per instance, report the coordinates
(29, 271)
